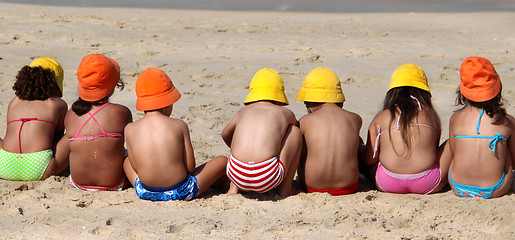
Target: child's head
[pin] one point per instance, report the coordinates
(155, 90)
(98, 75)
(321, 86)
(408, 91)
(480, 87)
(54, 66)
(35, 83)
(408, 82)
(266, 84)
(39, 81)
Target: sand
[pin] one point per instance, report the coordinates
(211, 57)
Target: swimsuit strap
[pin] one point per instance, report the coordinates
(418, 102)
(376, 147)
(23, 121)
(479, 120)
(491, 144)
(92, 116)
(494, 140)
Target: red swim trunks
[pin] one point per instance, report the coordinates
(337, 191)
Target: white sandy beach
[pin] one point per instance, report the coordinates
(211, 57)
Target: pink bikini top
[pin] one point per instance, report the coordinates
(104, 134)
(397, 127)
(23, 121)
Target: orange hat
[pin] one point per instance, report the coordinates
(98, 76)
(479, 80)
(155, 90)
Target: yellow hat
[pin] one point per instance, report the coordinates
(321, 85)
(409, 75)
(266, 84)
(51, 64)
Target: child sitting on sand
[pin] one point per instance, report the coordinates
(265, 143)
(35, 123)
(403, 139)
(160, 164)
(481, 134)
(331, 136)
(94, 127)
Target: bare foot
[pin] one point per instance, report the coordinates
(233, 190)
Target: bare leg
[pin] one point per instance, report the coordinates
(210, 172)
(129, 171)
(289, 156)
(61, 160)
(444, 162)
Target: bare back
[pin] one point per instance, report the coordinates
(258, 130)
(331, 136)
(98, 162)
(474, 162)
(393, 153)
(35, 135)
(160, 149)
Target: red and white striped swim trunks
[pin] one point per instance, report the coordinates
(256, 177)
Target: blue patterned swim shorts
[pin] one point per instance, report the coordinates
(185, 190)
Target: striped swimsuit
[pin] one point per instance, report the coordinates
(259, 177)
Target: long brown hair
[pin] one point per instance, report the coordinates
(401, 98)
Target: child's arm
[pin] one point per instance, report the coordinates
(292, 120)
(59, 129)
(129, 164)
(189, 158)
(229, 131)
(128, 115)
(370, 146)
(511, 142)
(451, 136)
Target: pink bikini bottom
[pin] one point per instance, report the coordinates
(421, 183)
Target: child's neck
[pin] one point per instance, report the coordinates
(157, 112)
(322, 105)
(267, 102)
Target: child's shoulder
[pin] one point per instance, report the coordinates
(60, 103)
(352, 115)
(510, 120)
(383, 115)
(120, 108)
(459, 115)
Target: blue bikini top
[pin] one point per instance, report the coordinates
(494, 140)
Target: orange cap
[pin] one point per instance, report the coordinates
(155, 90)
(98, 76)
(479, 80)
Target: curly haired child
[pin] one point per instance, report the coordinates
(35, 123)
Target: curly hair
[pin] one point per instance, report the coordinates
(36, 83)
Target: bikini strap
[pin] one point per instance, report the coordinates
(479, 120)
(23, 121)
(399, 119)
(494, 141)
(418, 102)
(91, 116)
(379, 133)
